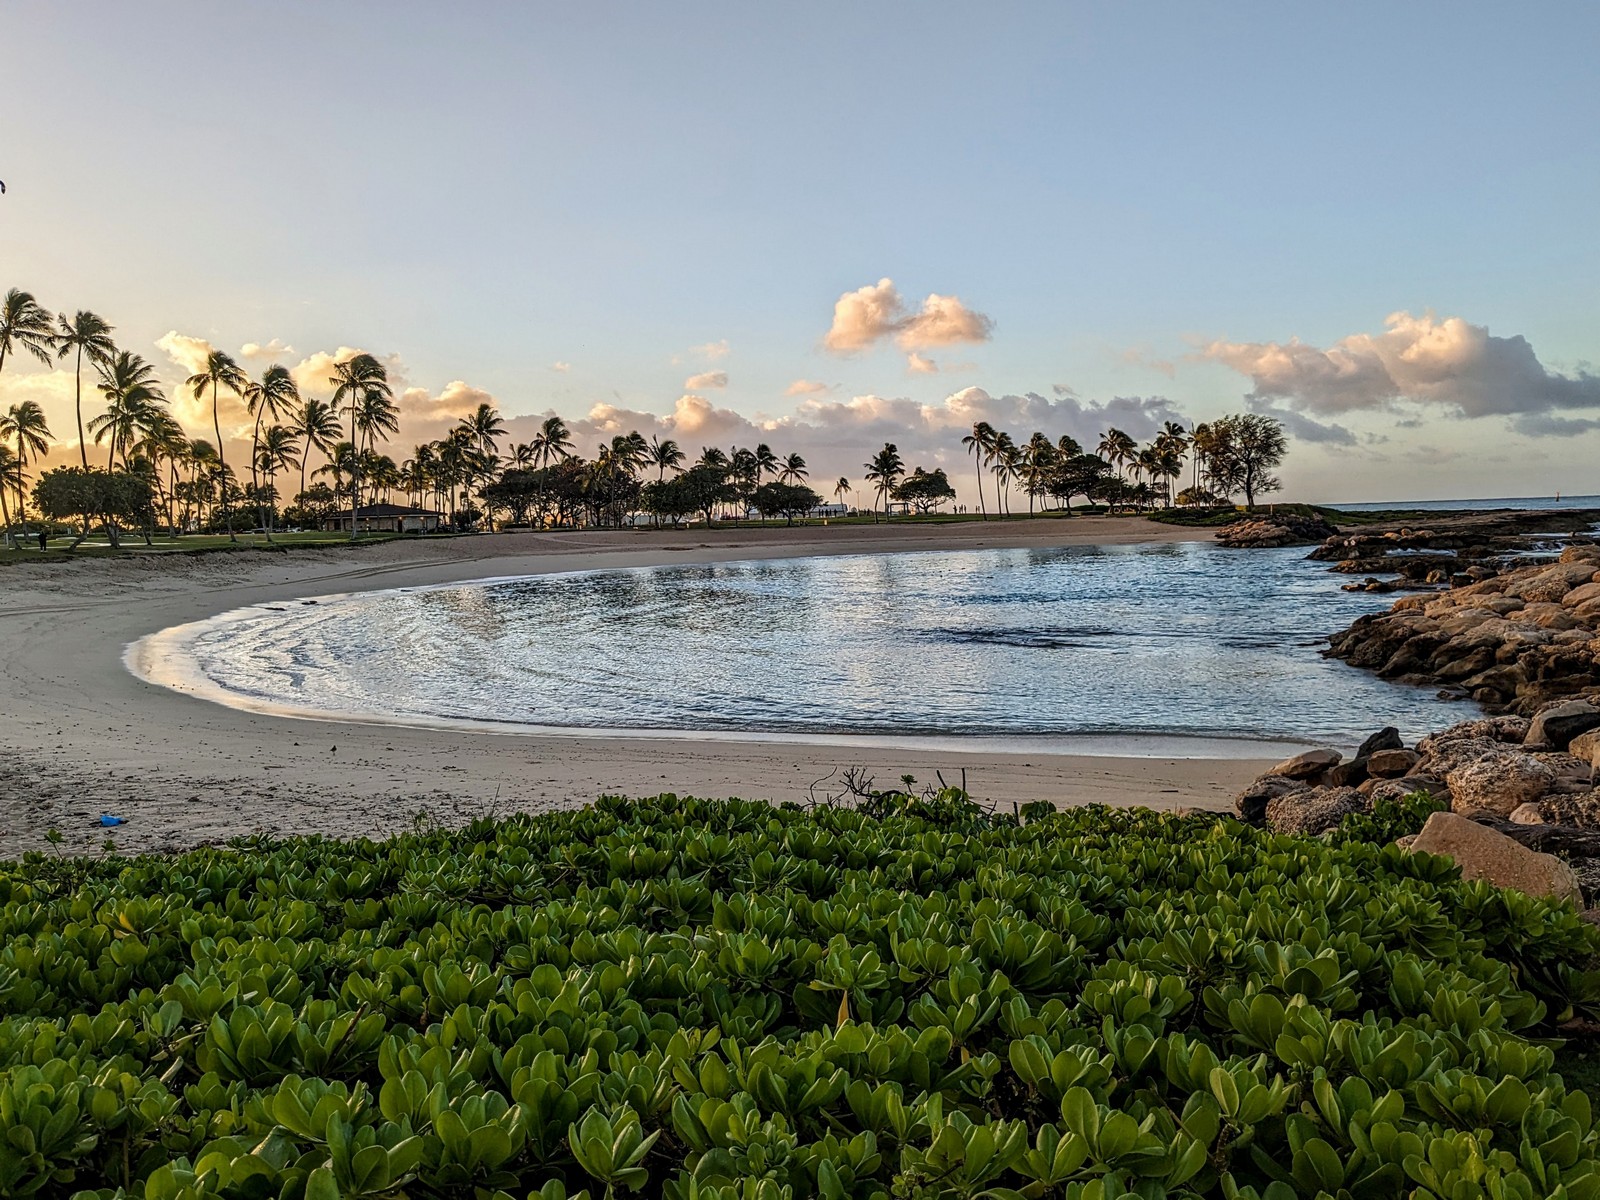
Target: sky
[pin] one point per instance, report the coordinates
(827, 226)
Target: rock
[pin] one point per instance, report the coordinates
(1485, 854)
(1497, 783)
(1309, 811)
(1581, 809)
(1552, 583)
(1559, 723)
(1391, 764)
(1406, 841)
(1527, 814)
(1308, 765)
(1585, 746)
(1387, 738)
(1275, 529)
(1390, 789)
(1346, 774)
(1581, 595)
(1251, 804)
(1444, 757)
(1510, 729)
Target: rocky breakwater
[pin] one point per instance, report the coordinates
(1454, 549)
(1271, 530)
(1514, 642)
(1528, 782)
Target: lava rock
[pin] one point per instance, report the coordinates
(1498, 783)
(1308, 765)
(1486, 854)
(1557, 724)
(1387, 738)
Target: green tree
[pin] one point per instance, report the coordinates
(923, 490)
(355, 381)
(24, 423)
(84, 336)
(25, 324)
(220, 372)
(1244, 452)
(884, 470)
(274, 396)
(789, 500)
(316, 425)
(980, 444)
(134, 402)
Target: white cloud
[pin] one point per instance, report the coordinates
(706, 379)
(712, 351)
(805, 387)
(276, 348)
(916, 364)
(189, 353)
(1448, 366)
(563, 367)
(868, 315)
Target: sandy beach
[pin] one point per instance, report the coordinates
(84, 736)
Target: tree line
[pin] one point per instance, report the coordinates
(155, 474)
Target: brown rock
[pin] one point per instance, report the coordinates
(1581, 809)
(1485, 854)
(1527, 814)
(1310, 811)
(1549, 616)
(1585, 746)
(1559, 723)
(1510, 729)
(1440, 758)
(1308, 765)
(1497, 783)
(1391, 764)
(1251, 804)
(1552, 583)
(1581, 594)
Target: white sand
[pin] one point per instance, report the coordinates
(81, 735)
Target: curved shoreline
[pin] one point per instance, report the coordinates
(85, 735)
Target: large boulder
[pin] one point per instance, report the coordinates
(1581, 809)
(1553, 582)
(1308, 765)
(1509, 729)
(1251, 804)
(1557, 724)
(1486, 854)
(1443, 757)
(1391, 764)
(1586, 746)
(1497, 783)
(1387, 738)
(1307, 812)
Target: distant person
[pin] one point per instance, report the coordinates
(44, 540)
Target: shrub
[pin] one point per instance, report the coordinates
(716, 1000)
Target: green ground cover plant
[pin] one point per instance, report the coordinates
(728, 1001)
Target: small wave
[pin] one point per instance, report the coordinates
(1026, 639)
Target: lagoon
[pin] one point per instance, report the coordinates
(1182, 640)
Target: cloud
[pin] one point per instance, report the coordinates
(563, 367)
(805, 387)
(1306, 429)
(276, 348)
(712, 351)
(918, 365)
(455, 400)
(1448, 366)
(868, 315)
(706, 379)
(189, 353)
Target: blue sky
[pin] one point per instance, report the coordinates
(555, 205)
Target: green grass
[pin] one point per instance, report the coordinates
(191, 543)
(728, 1001)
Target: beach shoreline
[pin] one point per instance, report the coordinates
(86, 736)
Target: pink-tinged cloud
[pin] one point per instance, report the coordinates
(805, 387)
(916, 364)
(275, 349)
(1450, 366)
(871, 314)
(706, 380)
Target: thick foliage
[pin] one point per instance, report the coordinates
(735, 1002)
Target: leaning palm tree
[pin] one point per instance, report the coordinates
(1118, 448)
(766, 461)
(25, 324)
(274, 396)
(25, 424)
(84, 336)
(841, 489)
(359, 376)
(487, 428)
(792, 469)
(980, 444)
(220, 372)
(316, 426)
(163, 438)
(885, 469)
(1006, 460)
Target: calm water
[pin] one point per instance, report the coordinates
(1183, 639)
(1537, 503)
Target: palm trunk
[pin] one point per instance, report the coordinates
(222, 462)
(977, 466)
(77, 399)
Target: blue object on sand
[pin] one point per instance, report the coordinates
(108, 819)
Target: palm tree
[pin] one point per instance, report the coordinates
(487, 428)
(1006, 459)
(1201, 441)
(1117, 448)
(81, 335)
(162, 437)
(133, 400)
(885, 470)
(841, 489)
(523, 455)
(25, 422)
(316, 426)
(666, 455)
(377, 419)
(766, 461)
(10, 479)
(354, 379)
(276, 451)
(221, 372)
(1038, 456)
(980, 444)
(24, 325)
(792, 469)
(273, 397)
